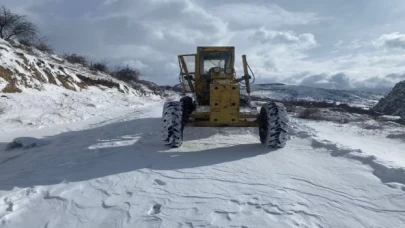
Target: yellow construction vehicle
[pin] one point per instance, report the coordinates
(210, 78)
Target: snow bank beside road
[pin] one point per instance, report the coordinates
(59, 108)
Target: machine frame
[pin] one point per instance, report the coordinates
(216, 92)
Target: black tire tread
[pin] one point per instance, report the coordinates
(172, 117)
(273, 125)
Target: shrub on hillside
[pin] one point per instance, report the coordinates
(14, 25)
(76, 59)
(25, 42)
(290, 107)
(310, 113)
(100, 66)
(43, 45)
(126, 73)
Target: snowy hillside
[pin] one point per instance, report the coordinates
(393, 103)
(38, 90)
(294, 92)
(25, 68)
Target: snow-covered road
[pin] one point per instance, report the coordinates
(118, 174)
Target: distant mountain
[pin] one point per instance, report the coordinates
(295, 92)
(394, 102)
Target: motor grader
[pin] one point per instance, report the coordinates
(212, 98)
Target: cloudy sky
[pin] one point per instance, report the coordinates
(322, 43)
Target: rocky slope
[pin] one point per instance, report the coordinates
(394, 102)
(24, 68)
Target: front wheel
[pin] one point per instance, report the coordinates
(172, 117)
(273, 123)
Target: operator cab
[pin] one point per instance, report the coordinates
(215, 62)
(211, 65)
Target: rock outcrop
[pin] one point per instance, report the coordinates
(394, 102)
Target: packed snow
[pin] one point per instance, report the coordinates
(91, 159)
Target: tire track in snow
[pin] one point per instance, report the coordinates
(393, 177)
(362, 201)
(387, 175)
(299, 216)
(69, 210)
(296, 214)
(10, 204)
(344, 198)
(10, 158)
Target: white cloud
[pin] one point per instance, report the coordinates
(136, 64)
(247, 15)
(360, 70)
(336, 81)
(164, 25)
(356, 44)
(391, 40)
(344, 81)
(109, 2)
(292, 42)
(304, 41)
(24, 7)
(339, 43)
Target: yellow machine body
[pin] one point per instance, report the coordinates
(210, 77)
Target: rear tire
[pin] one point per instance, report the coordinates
(273, 125)
(187, 104)
(172, 117)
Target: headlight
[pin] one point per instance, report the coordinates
(217, 69)
(228, 71)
